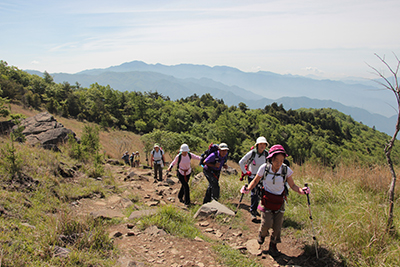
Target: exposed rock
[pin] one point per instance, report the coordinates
(114, 162)
(153, 230)
(44, 130)
(107, 214)
(229, 171)
(253, 247)
(141, 213)
(213, 208)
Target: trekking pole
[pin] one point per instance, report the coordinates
(312, 226)
(237, 209)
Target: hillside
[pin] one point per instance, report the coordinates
(84, 219)
(363, 101)
(322, 135)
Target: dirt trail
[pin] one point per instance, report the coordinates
(154, 247)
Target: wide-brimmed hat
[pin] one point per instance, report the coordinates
(276, 149)
(223, 146)
(262, 140)
(184, 148)
(156, 145)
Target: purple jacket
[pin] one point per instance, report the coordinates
(213, 158)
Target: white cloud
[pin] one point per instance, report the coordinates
(313, 70)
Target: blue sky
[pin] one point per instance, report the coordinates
(326, 38)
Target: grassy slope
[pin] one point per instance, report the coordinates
(349, 204)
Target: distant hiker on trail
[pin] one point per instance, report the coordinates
(249, 164)
(125, 157)
(157, 160)
(182, 161)
(131, 159)
(212, 170)
(137, 159)
(273, 176)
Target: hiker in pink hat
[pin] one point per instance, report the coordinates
(270, 181)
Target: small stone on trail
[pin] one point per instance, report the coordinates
(204, 223)
(253, 247)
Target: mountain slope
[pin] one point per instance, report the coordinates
(184, 80)
(273, 86)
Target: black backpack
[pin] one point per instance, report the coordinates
(180, 158)
(212, 148)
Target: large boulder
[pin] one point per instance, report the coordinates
(44, 130)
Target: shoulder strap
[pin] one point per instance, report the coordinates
(253, 155)
(284, 172)
(179, 160)
(267, 166)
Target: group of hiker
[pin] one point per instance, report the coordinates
(132, 160)
(268, 174)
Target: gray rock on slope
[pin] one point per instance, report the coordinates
(44, 130)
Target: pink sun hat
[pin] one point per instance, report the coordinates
(276, 149)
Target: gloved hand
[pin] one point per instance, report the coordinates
(244, 190)
(306, 190)
(248, 173)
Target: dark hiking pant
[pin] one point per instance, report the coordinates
(213, 186)
(184, 193)
(254, 199)
(157, 170)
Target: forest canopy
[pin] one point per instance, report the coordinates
(324, 135)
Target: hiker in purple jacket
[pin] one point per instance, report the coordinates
(212, 170)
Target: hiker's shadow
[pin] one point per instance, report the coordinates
(246, 208)
(308, 258)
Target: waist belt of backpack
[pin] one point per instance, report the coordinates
(184, 174)
(157, 162)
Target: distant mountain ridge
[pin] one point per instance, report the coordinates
(256, 90)
(273, 86)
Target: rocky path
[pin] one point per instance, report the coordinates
(154, 247)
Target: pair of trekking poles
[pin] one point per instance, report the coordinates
(309, 210)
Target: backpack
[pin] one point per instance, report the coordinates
(252, 157)
(162, 153)
(260, 188)
(212, 148)
(179, 159)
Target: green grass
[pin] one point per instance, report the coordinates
(37, 216)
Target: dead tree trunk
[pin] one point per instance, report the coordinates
(394, 87)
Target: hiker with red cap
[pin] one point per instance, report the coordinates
(273, 176)
(249, 164)
(182, 162)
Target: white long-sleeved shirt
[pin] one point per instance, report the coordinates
(254, 165)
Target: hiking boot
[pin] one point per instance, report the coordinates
(253, 218)
(273, 250)
(155, 181)
(181, 200)
(260, 239)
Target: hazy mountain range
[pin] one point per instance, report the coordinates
(361, 99)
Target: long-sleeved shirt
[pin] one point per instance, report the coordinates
(213, 158)
(254, 165)
(184, 165)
